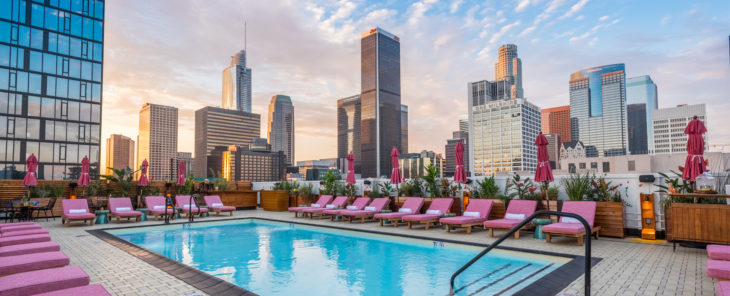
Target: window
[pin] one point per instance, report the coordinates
(582, 165)
(632, 165)
(594, 165)
(606, 167)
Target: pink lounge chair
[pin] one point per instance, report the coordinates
(723, 288)
(438, 207)
(76, 210)
(719, 269)
(90, 290)
(156, 207)
(412, 205)
(476, 213)
(375, 207)
(358, 204)
(517, 210)
(24, 239)
(572, 227)
(11, 227)
(42, 281)
(718, 252)
(215, 204)
(121, 207)
(24, 232)
(31, 262)
(183, 202)
(14, 224)
(30, 248)
(338, 203)
(321, 203)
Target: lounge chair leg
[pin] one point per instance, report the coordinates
(547, 238)
(491, 232)
(92, 222)
(381, 222)
(468, 229)
(231, 213)
(448, 228)
(395, 223)
(362, 220)
(427, 224)
(517, 234)
(580, 240)
(409, 225)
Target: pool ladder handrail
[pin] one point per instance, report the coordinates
(190, 203)
(587, 275)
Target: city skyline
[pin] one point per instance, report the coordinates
(568, 38)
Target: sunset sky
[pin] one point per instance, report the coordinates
(173, 52)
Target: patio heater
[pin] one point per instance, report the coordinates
(168, 202)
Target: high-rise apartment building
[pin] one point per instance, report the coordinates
(281, 126)
(413, 165)
(380, 101)
(598, 110)
(669, 125)
(641, 90)
(245, 164)
(484, 91)
(119, 153)
(348, 131)
(450, 154)
(509, 69)
(237, 84)
(186, 157)
(464, 125)
(157, 141)
(557, 121)
(221, 127)
(51, 60)
(636, 120)
(404, 128)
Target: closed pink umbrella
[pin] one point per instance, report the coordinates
(350, 169)
(460, 174)
(180, 173)
(31, 165)
(84, 179)
(543, 172)
(395, 177)
(695, 164)
(143, 181)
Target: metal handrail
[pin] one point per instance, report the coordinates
(190, 209)
(587, 278)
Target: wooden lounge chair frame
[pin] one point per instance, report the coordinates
(427, 222)
(68, 221)
(594, 231)
(517, 233)
(394, 221)
(468, 226)
(129, 218)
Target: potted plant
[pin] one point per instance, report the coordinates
(487, 189)
(350, 190)
(609, 207)
(276, 199)
(577, 186)
(432, 182)
(123, 178)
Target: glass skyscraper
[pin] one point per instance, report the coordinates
(509, 68)
(642, 90)
(281, 126)
(51, 55)
(218, 127)
(237, 84)
(598, 110)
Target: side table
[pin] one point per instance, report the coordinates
(101, 216)
(206, 214)
(539, 222)
(177, 212)
(144, 214)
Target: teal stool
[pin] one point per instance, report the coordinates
(101, 217)
(539, 222)
(446, 216)
(177, 212)
(386, 222)
(144, 214)
(206, 214)
(300, 214)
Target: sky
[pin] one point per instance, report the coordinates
(173, 52)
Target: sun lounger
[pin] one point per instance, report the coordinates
(375, 207)
(338, 203)
(41, 281)
(183, 202)
(358, 204)
(438, 207)
(30, 248)
(31, 262)
(572, 227)
(76, 210)
(719, 269)
(411, 206)
(321, 203)
(517, 210)
(476, 213)
(24, 232)
(718, 252)
(24, 239)
(15, 224)
(90, 290)
(10, 228)
(723, 288)
(215, 204)
(156, 207)
(121, 207)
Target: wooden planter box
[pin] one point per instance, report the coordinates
(275, 200)
(241, 199)
(708, 223)
(610, 216)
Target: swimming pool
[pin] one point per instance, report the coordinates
(279, 258)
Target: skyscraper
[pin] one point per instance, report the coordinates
(348, 130)
(557, 121)
(119, 153)
(669, 124)
(598, 105)
(216, 127)
(380, 101)
(464, 125)
(636, 120)
(509, 69)
(281, 126)
(50, 86)
(237, 84)
(450, 154)
(157, 140)
(187, 158)
(404, 128)
(642, 90)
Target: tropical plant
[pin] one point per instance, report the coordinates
(604, 191)
(682, 186)
(517, 187)
(447, 189)
(122, 177)
(412, 187)
(186, 189)
(39, 192)
(329, 183)
(486, 188)
(350, 190)
(375, 193)
(150, 191)
(431, 179)
(552, 193)
(55, 190)
(306, 191)
(386, 188)
(577, 186)
(95, 189)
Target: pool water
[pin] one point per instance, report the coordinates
(276, 258)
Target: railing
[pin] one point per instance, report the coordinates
(587, 277)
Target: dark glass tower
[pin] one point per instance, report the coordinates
(51, 55)
(380, 99)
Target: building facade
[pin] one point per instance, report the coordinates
(554, 146)
(221, 127)
(157, 141)
(186, 157)
(119, 153)
(280, 131)
(450, 154)
(348, 130)
(557, 121)
(509, 69)
(669, 125)
(638, 136)
(243, 164)
(413, 165)
(598, 109)
(51, 61)
(404, 128)
(237, 84)
(642, 90)
(464, 125)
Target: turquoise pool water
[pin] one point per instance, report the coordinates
(275, 258)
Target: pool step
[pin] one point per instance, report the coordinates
(525, 278)
(483, 277)
(500, 279)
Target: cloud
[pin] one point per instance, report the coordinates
(574, 9)
(665, 19)
(418, 9)
(603, 18)
(527, 31)
(497, 36)
(580, 17)
(552, 7)
(522, 5)
(455, 6)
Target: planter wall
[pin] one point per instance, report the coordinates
(275, 200)
(610, 216)
(708, 223)
(498, 209)
(241, 199)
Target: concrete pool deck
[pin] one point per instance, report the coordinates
(627, 268)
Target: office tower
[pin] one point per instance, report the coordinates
(484, 91)
(50, 86)
(380, 101)
(244, 164)
(348, 131)
(554, 146)
(157, 141)
(119, 153)
(281, 126)
(221, 127)
(260, 144)
(642, 90)
(509, 69)
(404, 128)
(450, 161)
(557, 121)
(669, 124)
(637, 129)
(464, 125)
(413, 165)
(598, 105)
(237, 84)
(186, 157)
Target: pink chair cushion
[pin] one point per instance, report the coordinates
(563, 227)
(152, 201)
(24, 232)
(441, 204)
(194, 209)
(461, 220)
(378, 204)
(392, 215)
(122, 202)
(74, 204)
(502, 223)
(30, 262)
(332, 211)
(718, 252)
(158, 212)
(313, 210)
(30, 248)
(41, 281)
(20, 228)
(586, 209)
(420, 217)
(14, 224)
(24, 239)
(525, 207)
(223, 208)
(723, 289)
(211, 199)
(79, 216)
(413, 203)
(90, 290)
(340, 201)
(483, 206)
(719, 269)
